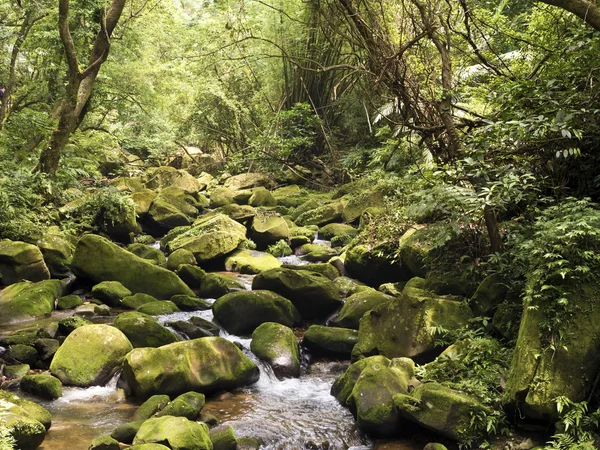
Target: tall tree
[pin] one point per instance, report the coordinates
(80, 83)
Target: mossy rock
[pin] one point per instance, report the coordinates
(367, 265)
(349, 286)
(441, 409)
(507, 318)
(158, 308)
(104, 443)
(368, 388)
(193, 331)
(268, 228)
(69, 302)
(188, 405)
(417, 248)
(357, 305)
(69, 324)
(16, 371)
(21, 261)
(188, 203)
(325, 269)
(356, 204)
(13, 404)
(143, 330)
(57, 249)
(204, 365)
(137, 301)
(191, 275)
(316, 253)
(167, 216)
(43, 385)
(90, 355)
(165, 176)
(189, 303)
(21, 354)
(312, 294)
(330, 341)
(28, 300)
(46, 348)
(154, 255)
(179, 257)
(261, 197)
(239, 213)
(100, 260)
(151, 406)
(242, 312)
(251, 262)
(110, 292)
(223, 438)
(215, 285)
(249, 443)
(125, 432)
(26, 336)
(247, 181)
(302, 235)
(210, 238)
(127, 184)
(491, 292)
(337, 229)
(290, 196)
(276, 344)
(26, 421)
(450, 283)
(321, 215)
(149, 447)
(401, 327)
(221, 196)
(393, 289)
(435, 446)
(172, 234)
(143, 200)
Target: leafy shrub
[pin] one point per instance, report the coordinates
(577, 427)
(280, 248)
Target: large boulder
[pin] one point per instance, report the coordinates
(57, 249)
(367, 265)
(25, 300)
(210, 237)
(154, 255)
(321, 214)
(203, 365)
(166, 176)
(330, 341)
(90, 355)
(491, 292)
(167, 216)
(21, 261)
(143, 200)
(26, 421)
(268, 228)
(143, 330)
(110, 292)
(356, 204)
(336, 230)
(441, 409)
(215, 285)
(314, 295)
(188, 405)
(261, 197)
(357, 305)
(247, 181)
(100, 260)
(402, 327)
(540, 372)
(178, 433)
(42, 385)
(241, 312)
(368, 388)
(251, 262)
(276, 344)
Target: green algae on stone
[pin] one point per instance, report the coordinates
(26, 300)
(104, 443)
(188, 405)
(250, 262)
(204, 365)
(357, 305)
(110, 292)
(154, 255)
(268, 228)
(21, 261)
(69, 324)
(179, 257)
(90, 355)
(69, 302)
(223, 438)
(189, 303)
(125, 433)
(326, 269)
(42, 385)
(151, 406)
(276, 344)
(215, 285)
(158, 308)
(330, 341)
(100, 260)
(143, 330)
(137, 300)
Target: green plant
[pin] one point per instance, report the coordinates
(280, 248)
(577, 427)
(7, 441)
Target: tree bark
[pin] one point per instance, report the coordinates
(586, 10)
(491, 223)
(81, 82)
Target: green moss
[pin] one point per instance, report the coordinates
(276, 344)
(143, 330)
(69, 302)
(151, 406)
(110, 292)
(158, 308)
(179, 257)
(251, 262)
(136, 301)
(104, 443)
(223, 438)
(26, 300)
(188, 405)
(148, 253)
(357, 305)
(43, 385)
(331, 341)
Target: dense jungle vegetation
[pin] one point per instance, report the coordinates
(474, 122)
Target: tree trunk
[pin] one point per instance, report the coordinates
(586, 10)
(491, 224)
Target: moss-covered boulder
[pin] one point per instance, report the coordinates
(268, 228)
(143, 200)
(330, 341)
(357, 203)
(69, 302)
(223, 438)
(21, 261)
(136, 301)
(150, 407)
(21, 354)
(110, 292)
(215, 285)
(357, 305)
(261, 197)
(210, 238)
(104, 443)
(239, 213)
(179, 257)
(100, 260)
(417, 246)
(316, 253)
(276, 344)
(539, 372)
(321, 214)
(165, 176)
(349, 286)
(166, 216)
(149, 447)
(251, 262)
(188, 405)
(43, 385)
(312, 294)
(290, 196)
(367, 265)
(26, 421)
(154, 255)
(337, 229)
(203, 365)
(143, 330)
(191, 275)
(326, 269)
(247, 181)
(189, 303)
(16, 371)
(158, 308)
(368, 388)
(491, 292)
(90, 355)
(57, 249)
(195, 328)
(440, 409)
(69, 324)
(402, 327)
(26, 300)
(241, 312)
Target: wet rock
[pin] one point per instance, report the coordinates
(330, 341)
(316, 253)
(241, 312)
(151, 406)
(104, 443)
(368, 266)
(126, 432)
(26, 300)
(357, 305)
(325, 269)
(69, 302)
(43, 385)
(203, 365)
(110, 292)
(276, 344)
(302, 235)
(143, 330)
(90, 355)
(348, 286)
(251, 262)
(46, 348)
(215, 285)
(223, 438)
(261, 197)
(247, 181)
(26, 420)
(57, 250)
(151, 254)
(158, 308)
(314, 295)
(193, 331)
(68, 325)
(189, 303)
(21, 261)
(100, 260)
(136, 301)
(21, 354)
(179, 257)
(191, 275)
(188, 405)
(268, 228)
